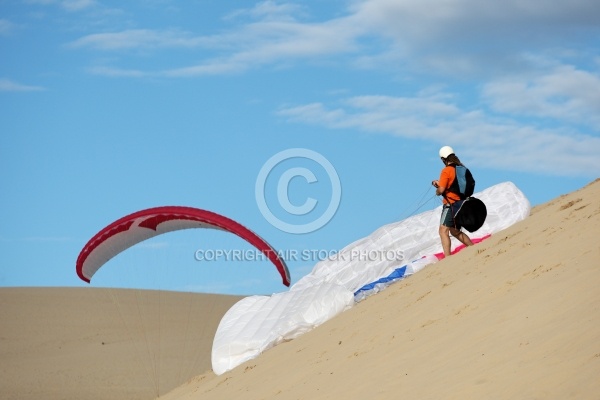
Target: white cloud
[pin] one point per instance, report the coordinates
(276, 37)
(215, 67)
(433, 19)
(497, 142)
(519, 43)
(254, 45)
(6, 85)
(444, 36)
(269, 10)
(118, 72)
(139, 39)
(566, 93)
(460, 23)
(476, 36)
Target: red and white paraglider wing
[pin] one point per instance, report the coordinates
(145, 224)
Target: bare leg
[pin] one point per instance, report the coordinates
(461, 236)
(445, 237)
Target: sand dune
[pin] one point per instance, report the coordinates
(517, 316)
(89, 343)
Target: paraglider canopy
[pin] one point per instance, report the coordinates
(145, 224)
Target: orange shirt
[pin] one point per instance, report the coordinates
(446, 178)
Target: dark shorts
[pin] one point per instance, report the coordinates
(448, 213)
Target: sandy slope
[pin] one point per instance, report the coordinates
(89, 343)
(515, 317)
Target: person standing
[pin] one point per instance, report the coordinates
(451, 199)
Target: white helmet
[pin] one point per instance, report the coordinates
(446, 151)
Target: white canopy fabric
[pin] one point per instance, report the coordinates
(257, 323)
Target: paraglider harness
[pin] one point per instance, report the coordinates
(472, 212)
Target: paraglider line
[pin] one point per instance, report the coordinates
(421, 203)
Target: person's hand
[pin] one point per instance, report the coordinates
(434, 183)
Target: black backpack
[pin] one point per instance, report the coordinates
(464, 183)
(472, 214)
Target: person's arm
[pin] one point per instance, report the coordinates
(440, 184)
(440, 190)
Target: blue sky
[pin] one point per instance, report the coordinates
(107, 108)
